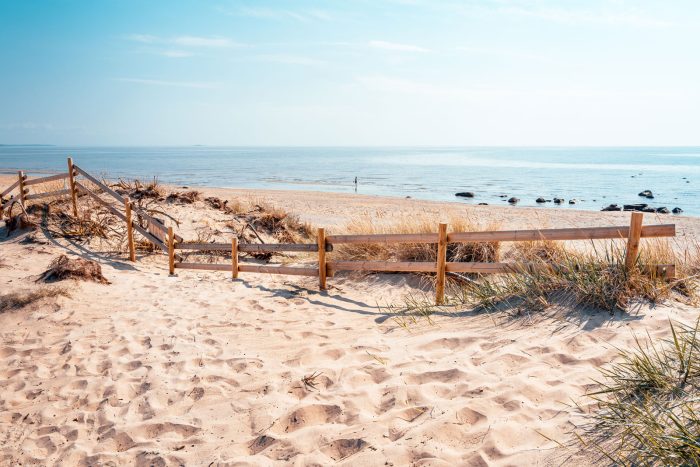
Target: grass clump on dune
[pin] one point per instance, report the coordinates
(648, 404)
(18, 300)
(594, 279)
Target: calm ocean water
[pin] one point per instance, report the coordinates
(594, 176)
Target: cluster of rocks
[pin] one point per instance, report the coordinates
(641, 207)
(514, 200)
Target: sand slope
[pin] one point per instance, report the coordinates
(196, 369)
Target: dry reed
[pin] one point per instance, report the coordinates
(461, 252)
(597, 279)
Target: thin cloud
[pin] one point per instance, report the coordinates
(185, 41)
(176, 53)
(386, 84)
(282, 14)
(290, 59)
(143, 38)
(628, 18)
(500, 52)
(194, 41)
(384, 45)
(179, 84)
(614, 12)
(403, 86)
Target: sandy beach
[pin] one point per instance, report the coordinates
(197, 369)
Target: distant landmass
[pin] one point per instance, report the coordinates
(28, 145)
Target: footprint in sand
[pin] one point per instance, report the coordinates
(343, 448)
(445, 376)
(116, 440)
(261, 443)
(468, 416)
(156, 430)
(310, 415)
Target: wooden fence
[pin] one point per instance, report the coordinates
(164, 238)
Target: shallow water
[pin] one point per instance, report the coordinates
(595, 177)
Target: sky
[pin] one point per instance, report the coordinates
(350, 72)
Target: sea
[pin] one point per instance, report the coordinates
(592, 176)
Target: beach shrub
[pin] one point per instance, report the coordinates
(183, 197)
(63, 268)
(135, 189)
(647, 404)
(595, 279)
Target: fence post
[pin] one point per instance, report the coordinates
(171, 251)
(234, 258)
(129, 229)
(71, 179)
(633, 240)
(322, 258)
(441, 264)
(22, 178)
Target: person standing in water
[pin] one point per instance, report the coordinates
(355, 184)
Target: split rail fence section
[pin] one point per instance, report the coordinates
(164, 238)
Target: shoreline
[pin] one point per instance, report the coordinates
(336, 209)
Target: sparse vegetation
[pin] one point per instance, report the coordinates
(485, 252)
(414, 309)
(183, 197)
(309, 381)
(63, 268)
(137, 190)
(648, 404)
(598, 280)
(21, 299)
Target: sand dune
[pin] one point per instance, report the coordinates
(198, 369)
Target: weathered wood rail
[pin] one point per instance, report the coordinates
(164, 238)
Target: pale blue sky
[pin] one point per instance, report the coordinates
(363, 72)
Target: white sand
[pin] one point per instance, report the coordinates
(196, 369)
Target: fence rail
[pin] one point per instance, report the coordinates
(50, 178)
(253, 247)
(584, 233)
(48, 194)
(164, 238)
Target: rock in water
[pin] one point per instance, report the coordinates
(572, 201)
(663, 210)
(558, 200)
(647, 194)
(514, 200)
(540, 200)
(677, 210)
(465, 194)
(635, 207)
(612, 207)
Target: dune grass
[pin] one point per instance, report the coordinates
(648, 403)
(18, 300)
(594, 279)
(414, 251)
